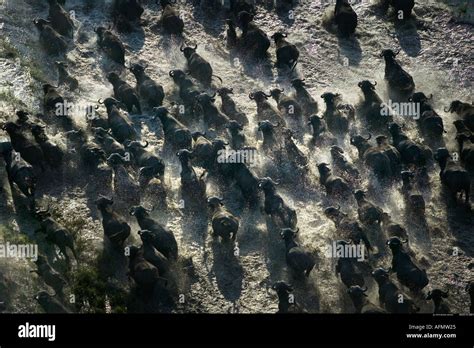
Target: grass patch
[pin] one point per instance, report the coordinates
(9, 98)
(8, 234)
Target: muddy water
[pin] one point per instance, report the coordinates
(434, 49)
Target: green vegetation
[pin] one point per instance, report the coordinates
(7, 96)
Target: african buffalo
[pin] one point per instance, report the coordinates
(347, 227)
(369, 213)
(335, 185)
(237, 136)
(64, 77)
(177, 134)
(308, 104)
(347, 268)
(392, 298)
(229, 108)
(111, 45)
(465, 111)
(188, 91)
(24, 145)
(49, 275)
(209, 111)
(345, 17)
(170, 20)
(411, 152)
(321, 135)
(437, 295)
(398, 80)
(341, 163)
(55, 233)
(275, 206)
(198, 67)
(150, 91)
(162, 238)
(287, 105)
(430, 123)
(455, 177)
(145, 160)
(253, 41)
(193, 187)
(116, 229)
(361, 303)
(50, 39)
(53, 154)
(60, 19)
(265, 111)
(50, 304)
(337, 114)
(122, 129)
(124, 92)
(20, 173)
(408, 273)
(287, 53)
(375, 158)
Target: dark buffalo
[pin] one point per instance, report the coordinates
(53, 154)
(162, 239)
(337, 114)
(111, 45)
(237, 136)
(170, 19)
(124, 92)
(193, 187)
(361, 303)
(116, 229)
(287, 53)
(455, 177)
(229, 107)
(297, 258)
(408, 273)
(465, 111)
(146, 160)
(60, 19)
(224, 224)
(275, 206)
(150, 91)
(398, 80)
(265, 111)
(437, 295)
(308, 104)
(188, 91)
(335, 185)
(55, 233)
(24, 145)
(50, 39)
(122, 129)
(209, 111)
(64, 78)
(175, 132)
(394, 300)
(368, 212)
(345, 17)
(198, 67)
(411, 152)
